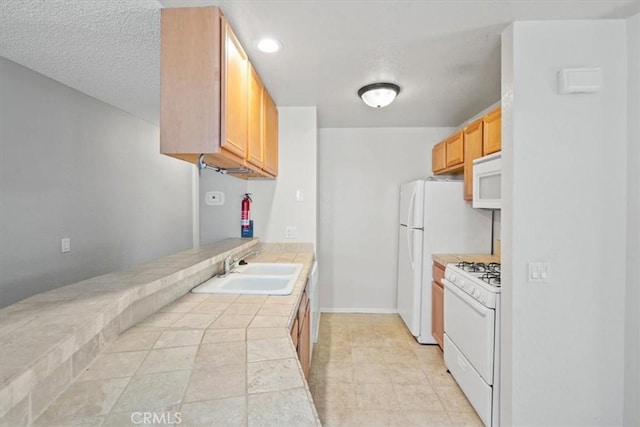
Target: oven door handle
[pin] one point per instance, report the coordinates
(466, 298)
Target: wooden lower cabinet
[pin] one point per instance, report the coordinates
(437, 304)
(301, 334)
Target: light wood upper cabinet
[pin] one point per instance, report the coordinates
(270, 135)
(212, 100)
(448, 155)
(235, 93)
(472, 150)
(255, 145)
(455, 150)
(492, 139)
(439, 157)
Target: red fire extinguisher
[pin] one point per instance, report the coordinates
(246, 225)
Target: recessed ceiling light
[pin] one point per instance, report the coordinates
(269, 45)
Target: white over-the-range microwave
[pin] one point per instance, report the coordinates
(487, 182)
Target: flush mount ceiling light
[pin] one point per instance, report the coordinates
(269, 45)
(378, 95)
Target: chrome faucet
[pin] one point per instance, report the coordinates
(230, 263)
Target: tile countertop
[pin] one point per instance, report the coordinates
(444, 259)
(202, 359)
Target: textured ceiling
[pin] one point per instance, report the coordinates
(445, 55)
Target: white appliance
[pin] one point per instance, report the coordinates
(314, 301)
(434, 218)
(472, 334)
(487, 181)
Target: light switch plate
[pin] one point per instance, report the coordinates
(65, 245)
(539, 272)
(291, 232)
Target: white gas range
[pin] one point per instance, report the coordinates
(472, 334)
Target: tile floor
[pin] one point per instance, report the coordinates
(367, 370)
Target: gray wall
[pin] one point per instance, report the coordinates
(72, 166)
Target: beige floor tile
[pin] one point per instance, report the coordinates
(168, 359)
(420, 418)
(280, 408)
(438, 375)
(465, 419)
(75, 422)
(113, 365)
(429, 354)
(453, 399)
(223, 335)
(179, 338)
(270, 349)
(273, 375)
(165, 416)
(216, 382)
(362, 355)
(415, 374)
(370, 373)
(153, 392)
(398, 355)
(222, 353)
(231, 412)
(131, 341)
(84, 399)
(336, 370)
(406, 373)
(335, 394)
(414, 396)
(376, 396)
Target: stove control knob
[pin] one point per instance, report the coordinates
(476, 293)
(453, 278)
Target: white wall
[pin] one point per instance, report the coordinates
(360, 171)
(274, 202)
(72, 166)
(564, 203)
(632, 336)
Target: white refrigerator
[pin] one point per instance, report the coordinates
(434, 218)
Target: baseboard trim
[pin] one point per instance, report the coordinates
(359, 310)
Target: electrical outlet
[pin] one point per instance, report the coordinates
(539, 272)
(214, 198)
(291, 232)
(65, 245)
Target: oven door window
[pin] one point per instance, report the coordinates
(471, 327)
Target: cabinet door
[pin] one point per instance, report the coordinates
(295, 333)
(255, 143)
(270, 135)
(234, 93)
(492, 140)
(439, 157)
(304, 343)
(437, 313)
(455, 150)
(472, 151)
